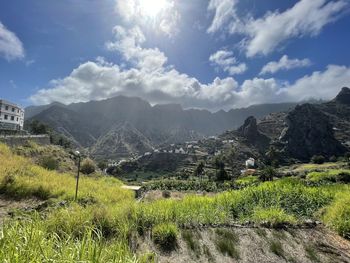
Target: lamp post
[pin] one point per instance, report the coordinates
(77, 153)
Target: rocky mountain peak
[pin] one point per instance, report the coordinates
(310, 133)
(343, 96)
(249, 129)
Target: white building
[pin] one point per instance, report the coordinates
(11, 116)
(250, 163)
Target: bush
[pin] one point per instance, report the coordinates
(267, 174)
(102, 165)
(165, 235)
(166, 194)
(87, 166)
(333, 159)
(318, 159)
(49, 163)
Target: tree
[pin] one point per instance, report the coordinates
(102, 165)
(272, 156)
(230, 159)
(267, 174)
(318, 159)
(199, 171)
(220, 172)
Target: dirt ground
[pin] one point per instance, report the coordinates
(257, 245)
(7, 206)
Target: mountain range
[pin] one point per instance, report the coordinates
(121, 126)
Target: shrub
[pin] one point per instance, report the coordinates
(87, 166)
(49, 163)
(267, 174)
(333, 159)
(166, 194)
(318, 159)
(344, 177)
(165, 235)
(102, 165)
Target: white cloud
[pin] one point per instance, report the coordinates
(224, 12)
(265, 34)
(129, 43)
(135, 12)
(96, 81)
(227, 62)
(10, 46)
(284, 64)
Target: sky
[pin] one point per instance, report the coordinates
(210, 54)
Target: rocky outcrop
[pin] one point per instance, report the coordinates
(344, 96)
(309, 133)
(249, 131)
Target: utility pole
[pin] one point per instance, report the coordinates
(77, 153)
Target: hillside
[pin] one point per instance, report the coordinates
(87, 124)
(265, 222)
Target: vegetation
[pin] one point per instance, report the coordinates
(49, 163)
(165, 235)
(100, 226)
(87, 166)
(318, 159)
(226, 242)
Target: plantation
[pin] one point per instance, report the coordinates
(106, 221)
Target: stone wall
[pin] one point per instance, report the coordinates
(18, 140)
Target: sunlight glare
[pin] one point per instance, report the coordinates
(152, 8)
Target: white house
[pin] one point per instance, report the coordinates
(181, 151)
(11, 116)
(250, 163)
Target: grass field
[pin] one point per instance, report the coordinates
(99, 226)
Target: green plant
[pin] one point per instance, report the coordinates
(191, 240)
(311, 253)
(276, 248)
(337, 215)
(165, 235)
(49, 163)
(267, 174)
(166, 194)
(318, 159)
(226, 242)
(87, 166)
(272, 216)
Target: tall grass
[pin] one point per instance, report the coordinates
(98, 228)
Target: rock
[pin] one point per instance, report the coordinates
(249, 130)
(309, 133)
(343, 96)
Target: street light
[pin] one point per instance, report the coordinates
(77, 153)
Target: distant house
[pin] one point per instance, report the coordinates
(147, 154)
(11, 116)
(250, 163)
(181, 151)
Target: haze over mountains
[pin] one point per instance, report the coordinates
(88, 124)
(123, 126)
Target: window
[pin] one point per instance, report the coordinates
(13, 109)
(6, 117)
(17, 118)
(12, 118)
(6, 107)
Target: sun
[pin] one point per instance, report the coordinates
(152, 8)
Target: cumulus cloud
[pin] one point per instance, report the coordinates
(10, 46)
(135, 12)
(95, 81)
(129, 43)
(227, 62)
(265, 34)
(284, 64)
(225, 11)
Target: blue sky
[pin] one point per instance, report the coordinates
(215, 54)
